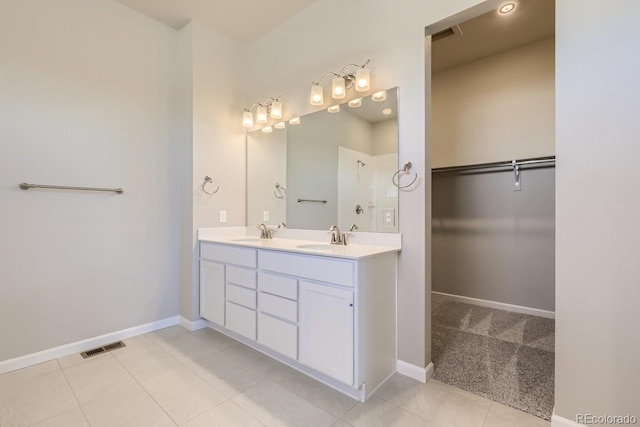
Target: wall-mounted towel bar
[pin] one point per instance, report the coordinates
(311, 200)
(26, 186)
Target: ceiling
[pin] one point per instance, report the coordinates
(243, 20)
(491, 33)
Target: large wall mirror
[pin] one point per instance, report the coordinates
(331, 168)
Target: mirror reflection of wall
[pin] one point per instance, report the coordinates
(346, 158)
(267, 157)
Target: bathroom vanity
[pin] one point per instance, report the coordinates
(326, 310)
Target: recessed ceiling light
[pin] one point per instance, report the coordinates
(379, 96)
(506, 8)
(355, 103)
(387, 111)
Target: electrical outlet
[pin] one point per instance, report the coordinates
(223, 216)
(389, 216)
(265, 216)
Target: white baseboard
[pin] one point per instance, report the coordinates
(558, 421)
(497, 305)
(80, 346)
(193, 326)
(415, 372)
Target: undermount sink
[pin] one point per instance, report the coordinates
(319, 246)
(247, 239)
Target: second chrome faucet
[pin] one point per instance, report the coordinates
(337, 237)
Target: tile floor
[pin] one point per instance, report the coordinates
(195, 379)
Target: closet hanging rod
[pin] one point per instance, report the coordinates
(506, 164)
(26, 186)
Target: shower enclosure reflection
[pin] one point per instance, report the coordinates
(346, 159)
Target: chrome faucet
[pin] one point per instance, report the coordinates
(282, 225)
(354, 227)
(338, 238)
(265, 232)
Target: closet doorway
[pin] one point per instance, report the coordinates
(493, 204)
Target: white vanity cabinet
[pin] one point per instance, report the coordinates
(326, 330)
(331, 317)
(228, 287)
(212, 291)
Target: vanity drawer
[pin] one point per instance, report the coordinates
(278, 335)
(241, 277)
(242, 296)
(228, 254)
(278, 285)
(279, 307)
(241, 320)
(330, 270)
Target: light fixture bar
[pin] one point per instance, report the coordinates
(270, 107)
(341, 82)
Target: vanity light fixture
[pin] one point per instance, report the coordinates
(379, 96)
(355, 103)
(294, 121)
(279, 125)
(387, 111)
(267, 129)
(507, 8)
(270, 107)
(341, 82)
(334, 109)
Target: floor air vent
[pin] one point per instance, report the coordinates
(103, 349)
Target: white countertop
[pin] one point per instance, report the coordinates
(291, 240)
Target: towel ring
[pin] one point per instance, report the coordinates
(280, 192)
(406, 168)
(208, 179)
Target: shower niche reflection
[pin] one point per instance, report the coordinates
(332, 168)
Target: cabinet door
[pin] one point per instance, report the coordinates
(212, 291)
(326, 330)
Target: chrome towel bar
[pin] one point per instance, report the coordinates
(26, 186)
(311, 200)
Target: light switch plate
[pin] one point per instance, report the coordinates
(223, 216)
(265, 216)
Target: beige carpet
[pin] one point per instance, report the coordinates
(506, 357)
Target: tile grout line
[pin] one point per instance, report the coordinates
(72, 392)
(188, 369)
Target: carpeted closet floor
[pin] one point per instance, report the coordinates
(504, 356)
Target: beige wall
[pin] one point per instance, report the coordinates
(87, 94)
(212, 143)
(598, 99)
(497, 108)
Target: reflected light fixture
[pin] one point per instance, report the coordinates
(507, 8)
(355, 103)
(294, 121)
(387, 111)
(279, 125)
(341, 82)
(379, 96)
(267, 129)
(270, 107)
(334, 109)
